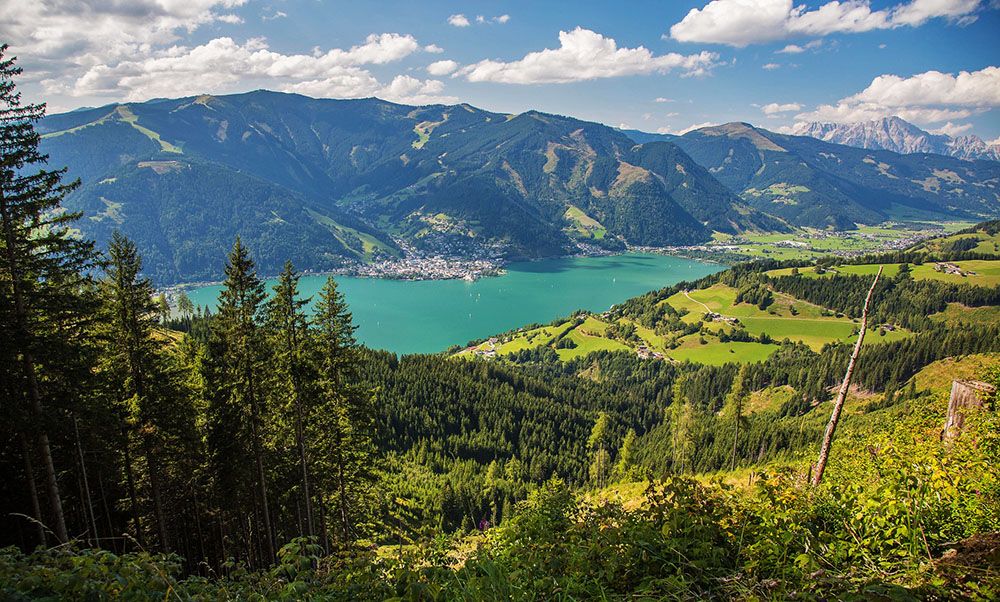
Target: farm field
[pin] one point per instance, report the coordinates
(808, 243)
(985, 242)
(785, 318)
(979, 272)
(957, 314)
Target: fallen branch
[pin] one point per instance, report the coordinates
(838, 405)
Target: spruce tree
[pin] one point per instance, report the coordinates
(133, 364)
(733, 408)
(287, 326)
(345, 417)
(236, 371)
(41, 287)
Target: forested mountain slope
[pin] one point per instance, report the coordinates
(342, 180)
(814, 183)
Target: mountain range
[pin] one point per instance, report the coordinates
(900, 136)
(324, 182)
(808, 182)
(327, 182)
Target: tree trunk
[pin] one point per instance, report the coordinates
(130, 479)
(300, 440)
(88, 505)
(261, 482)
(966, 396)
(36, 508)
(736, 437)
(342, 486)
(155, 490)
(838, 405)
(28, 367)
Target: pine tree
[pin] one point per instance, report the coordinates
(682, 424)
(733, 407)
(288, 334)
(41, 287)
(600, 465)
(150, 405)
(184, 306)
(344, 423)
(625, 461)
(235, 371)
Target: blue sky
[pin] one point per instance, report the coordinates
(769, 62)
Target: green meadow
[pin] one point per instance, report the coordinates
(979, 272)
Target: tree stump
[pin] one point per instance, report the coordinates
(965, 395)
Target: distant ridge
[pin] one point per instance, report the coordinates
(899, 136)
(809, 182)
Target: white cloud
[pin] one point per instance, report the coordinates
(690, 128)
(461, 20)
(410, 90)
(131, 50)
(356, 83)
(278, 14)
(663, 99)
(440, 68)
(853, 113)
(55, 36)
(433, 49)
(969, 89)
(925, 98)
(770, 66)
(181, 71)
(796, 49)
(742, 22)
(952, 129)
(585, 55)
(774, 108)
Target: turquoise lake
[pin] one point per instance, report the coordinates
(428, 316)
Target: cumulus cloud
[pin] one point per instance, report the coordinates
(770, 66)
(278, 14)
(463, 21)
(690, 128)
(968, 88)
(952, 129)
(663, 99)
(440, 68)
(775, 108)
(181, 71)
(433, 49)
(585, 55)
(742, 22)
(925, 98)
(55, 35)
(796, 49)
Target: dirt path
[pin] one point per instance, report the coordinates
(707, 310)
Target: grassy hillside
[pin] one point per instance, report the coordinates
(974, 272)
(694, 336)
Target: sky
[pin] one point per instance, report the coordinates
(664, 66)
